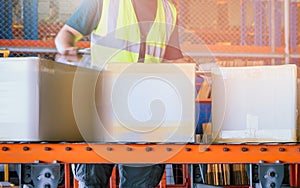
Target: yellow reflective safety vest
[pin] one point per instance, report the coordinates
(117, 37)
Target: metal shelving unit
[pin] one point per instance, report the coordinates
(67, 153)
(149, 153)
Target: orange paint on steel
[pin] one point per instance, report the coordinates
(229, 48)
(38, 43)
(206, 100)
(189, 47)
(149, 153)
(297, 175)
(185, 179)
(67, 175)
(75, 183)
(163, 182)
(294, 175)
(113, 178)
(186, 176)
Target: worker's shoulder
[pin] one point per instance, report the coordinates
(92, 3)
(88, 8)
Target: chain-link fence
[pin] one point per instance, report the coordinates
(244, 29)
(34, 19)
(232, 22)
(228, 28)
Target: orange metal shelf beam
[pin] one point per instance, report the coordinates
(204, 100)
(230, 48)
(37, 43)
(149, 153)
(185, 47)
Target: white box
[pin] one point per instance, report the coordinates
(36, 101)
(146, 103)
(42, 100)
(254, 104)
(19, 96)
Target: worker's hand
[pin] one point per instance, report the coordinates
(185, 59)
(67, 58)
(70, 51)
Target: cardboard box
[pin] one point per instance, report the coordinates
(148, 102)
(57, 121)
(36, 100)
(254, 104)
(44, 100)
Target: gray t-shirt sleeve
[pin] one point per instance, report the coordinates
(86, 17)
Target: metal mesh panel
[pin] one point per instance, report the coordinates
(231, 22)
(31, 25)
(40, 19)
(6, 12)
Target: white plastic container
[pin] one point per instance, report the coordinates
(254, 104)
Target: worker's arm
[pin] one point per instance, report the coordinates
(66, 39)
(173, 53)
(184, 59)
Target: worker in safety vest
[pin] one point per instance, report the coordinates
(122, 31)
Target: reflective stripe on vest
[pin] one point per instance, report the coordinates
(118, 35)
